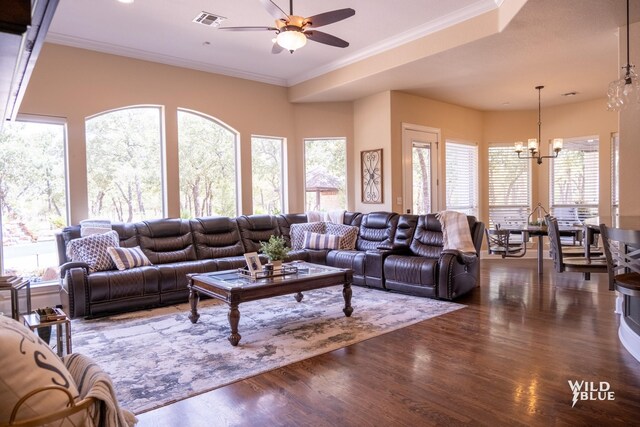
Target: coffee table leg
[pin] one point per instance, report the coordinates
(194, 298)
(346, 293)
(299, 296)
(234, 319)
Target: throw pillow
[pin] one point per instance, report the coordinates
(28, 364)
(297, 231)
(320, 241)
(348, 234)
(126, 258)
(93, 250)
(94, 226)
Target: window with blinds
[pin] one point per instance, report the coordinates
(509, 186)
(575, 177)
(462, 177)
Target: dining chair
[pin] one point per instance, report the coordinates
(573, 264)
(499, 243)
(622, 249)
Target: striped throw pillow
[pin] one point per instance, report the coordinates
(320, 241)
(126, 258)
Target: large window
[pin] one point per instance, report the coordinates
(575, 177)
(509, 186)
(325, 165)
(266, 174)
(462, 177)
(208, 170)
(32, 197)
(124, 173)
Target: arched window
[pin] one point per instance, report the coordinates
(208, 166)
(124, 157)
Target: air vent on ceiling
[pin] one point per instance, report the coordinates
(208, 19)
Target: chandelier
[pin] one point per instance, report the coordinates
(625, 90)
(533, 144)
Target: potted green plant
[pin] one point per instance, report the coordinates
(276, 250)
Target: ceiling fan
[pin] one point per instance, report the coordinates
(292, 31)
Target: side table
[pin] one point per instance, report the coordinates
(14, 287)
(32, 321)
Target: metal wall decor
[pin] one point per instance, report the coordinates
(371, 166)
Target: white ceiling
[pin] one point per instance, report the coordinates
(566, 45)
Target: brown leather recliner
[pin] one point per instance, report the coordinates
(376, 229)
(420, 266)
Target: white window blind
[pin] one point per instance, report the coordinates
(509, 186)
(462, 177)
(575, 177)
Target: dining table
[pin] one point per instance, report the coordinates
(540, 231)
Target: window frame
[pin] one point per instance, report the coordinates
(523, 210)
(346, 166)
(283, 166)
(162, 150)
(583, 210)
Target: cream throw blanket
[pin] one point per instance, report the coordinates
(92, 381)
(455, 231)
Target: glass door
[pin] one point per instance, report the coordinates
(420, 153)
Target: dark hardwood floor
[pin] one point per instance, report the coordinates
(505, 359)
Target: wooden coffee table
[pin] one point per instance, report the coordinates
(234, 288)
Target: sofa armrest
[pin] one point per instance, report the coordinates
(457, 274)
(68, 265)
(74, 288)
(465, 258)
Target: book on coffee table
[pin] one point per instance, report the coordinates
(8, 281)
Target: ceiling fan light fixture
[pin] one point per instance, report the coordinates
(291, 39)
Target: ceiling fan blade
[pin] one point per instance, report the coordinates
(327, 18)
(248, 28)
(320, 37)
(276, 48)
(274, 9)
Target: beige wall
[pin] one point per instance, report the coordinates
(372, 131)
(75, 84)
(581, 119)
(455, 123)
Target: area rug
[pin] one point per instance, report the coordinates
(156, 357)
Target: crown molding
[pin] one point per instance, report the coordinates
(144, 55)
(415, 33)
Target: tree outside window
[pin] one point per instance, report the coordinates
(32, 197)
(124, 173)
(208, 172)
(266, 174)
(325, 174)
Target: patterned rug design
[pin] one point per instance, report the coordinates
(156, 357)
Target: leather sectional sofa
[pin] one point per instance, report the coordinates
(401, 253)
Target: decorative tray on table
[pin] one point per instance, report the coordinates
(265, 274)
(49, 314)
